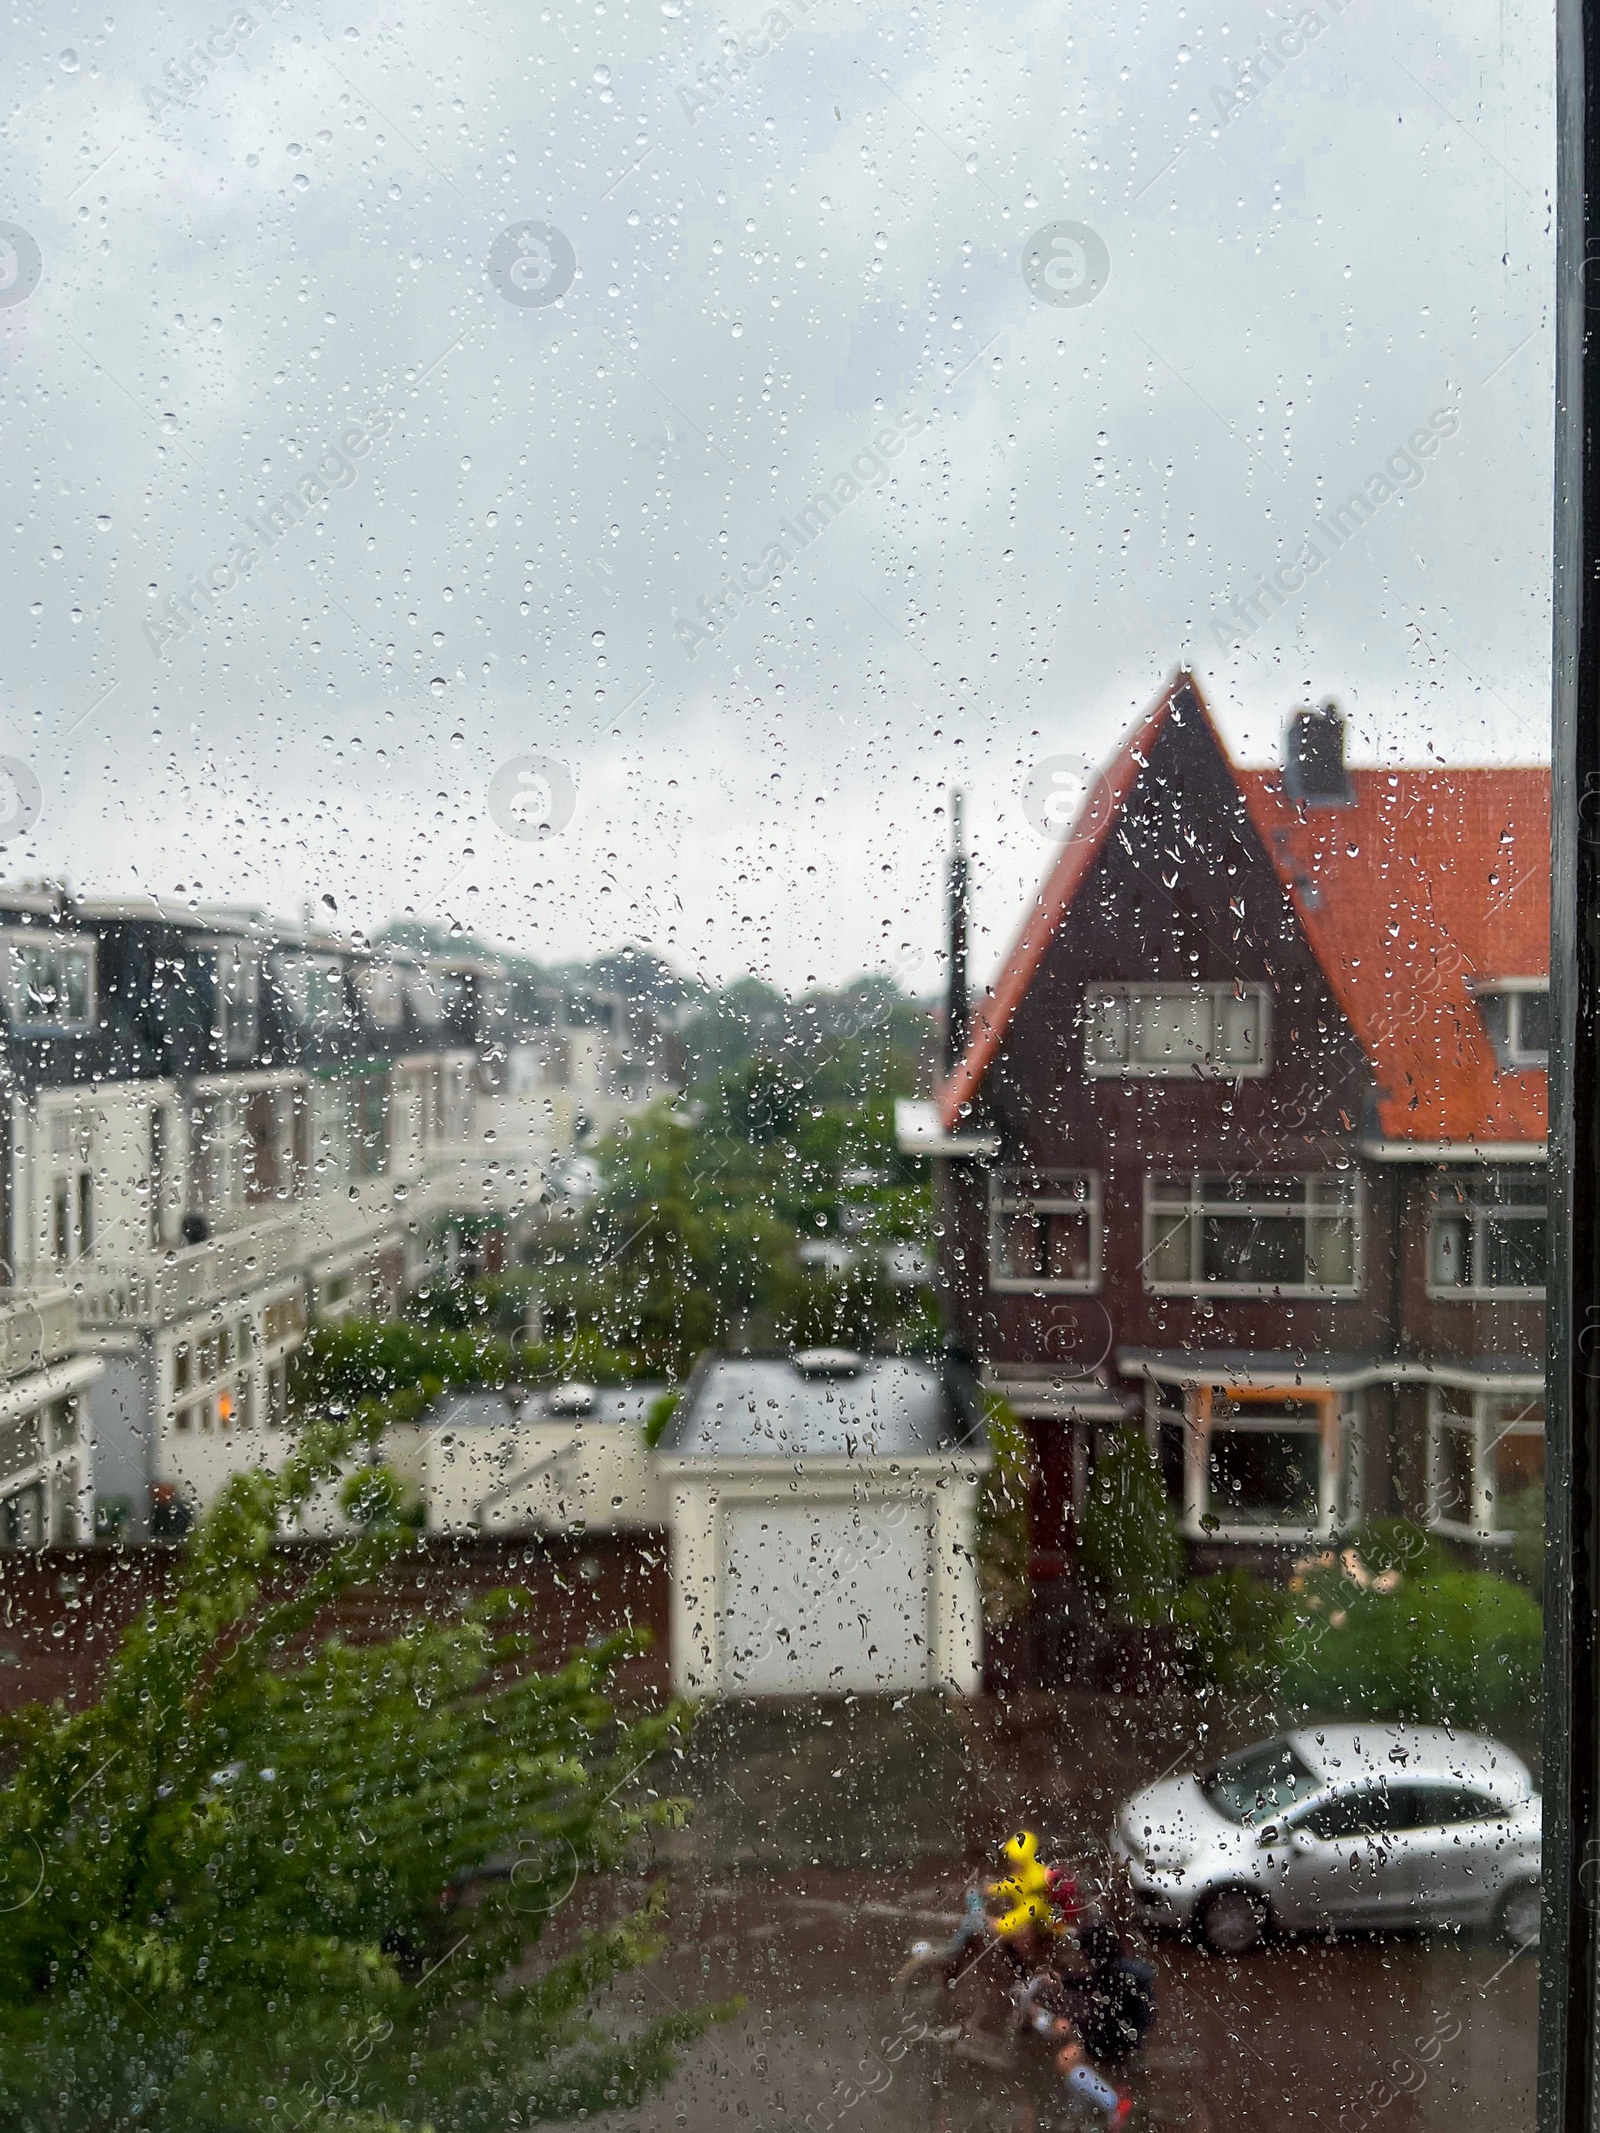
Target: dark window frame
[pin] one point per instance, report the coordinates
(1569, 1983)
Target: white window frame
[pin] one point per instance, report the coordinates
(1086, 1202)
(38, 938)
(1195, 1207)
(300, 975)
(1337, 1476)
(380, 987)
(1487, 1425)
(1513, 1056)
(1208, 1063)
(238, 1035)
(1476, 1214)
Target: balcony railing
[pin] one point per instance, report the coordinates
(36, 1329)
(178, 1280)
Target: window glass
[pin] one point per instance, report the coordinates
(779, 1155)
(1257, 1783)
(1276, 1234)
(1265, 1466)
(48, 983)
(1043, 1230)
(1365, 1813)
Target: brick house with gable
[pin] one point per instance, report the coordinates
(1245, 1146)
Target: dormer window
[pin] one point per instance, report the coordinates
(1516, 1013)
(1176, 1029)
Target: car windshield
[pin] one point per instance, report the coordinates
(1258, 1782)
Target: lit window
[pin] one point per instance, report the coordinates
(1488, 1234)
(1176, 1029)
(1044, 1231)
(1266, 1236)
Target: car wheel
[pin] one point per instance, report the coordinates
(1233, 1921)
(1517, 1920)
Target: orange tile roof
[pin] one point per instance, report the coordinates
(1429, 880)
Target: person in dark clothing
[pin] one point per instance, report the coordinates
(1115, 2001)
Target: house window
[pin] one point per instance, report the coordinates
(22, 1518)
(381, 991)
(369, 1126)
(1249, 1463)
(1264, 1466)
(1252, 1236)
(71, 1216)
(1488, 1234)
(1044, 1230)
(313, 985)
(1517, 1016)
(222, 1154)
(48, 984)
(332, 1160)
(1176, 1029)
(1485, 1463)
(237, 996)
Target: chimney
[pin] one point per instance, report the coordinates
(955, 1014)
(1313, 758)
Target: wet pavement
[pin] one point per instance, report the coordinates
(831, 1837)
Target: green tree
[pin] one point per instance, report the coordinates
(1128, 1540)
(1005, 1523)
(222, 1881)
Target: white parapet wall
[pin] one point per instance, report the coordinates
(834, 1578)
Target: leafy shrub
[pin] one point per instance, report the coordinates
(1128, 1540)
(1004, 1521)
(1384, 1544)
(1440, 1644)
(1228, 1630)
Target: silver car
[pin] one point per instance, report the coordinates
(1333, 1826)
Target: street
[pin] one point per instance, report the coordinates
(829, 1839)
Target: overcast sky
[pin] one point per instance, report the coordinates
(246, 261)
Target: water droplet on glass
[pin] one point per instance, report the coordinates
(69, 61)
